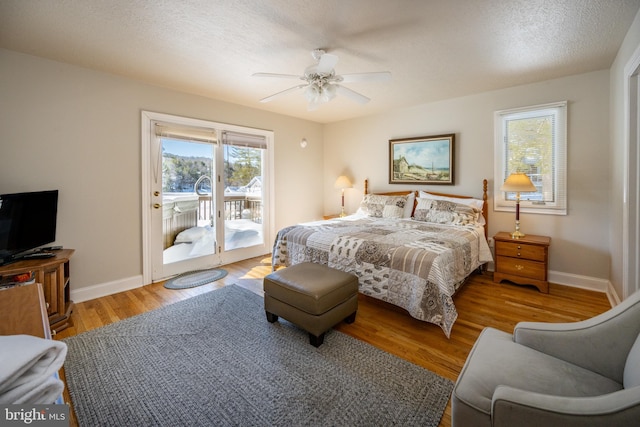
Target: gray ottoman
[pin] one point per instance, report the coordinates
(313, 296)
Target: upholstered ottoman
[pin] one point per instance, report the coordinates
(313, 296)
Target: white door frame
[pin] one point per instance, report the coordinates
(147, 119)
(631, 178)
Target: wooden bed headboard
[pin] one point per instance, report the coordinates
(485, 209)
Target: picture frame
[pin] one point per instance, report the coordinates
(422, 160)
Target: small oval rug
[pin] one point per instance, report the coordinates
(191, 279)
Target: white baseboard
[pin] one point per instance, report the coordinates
(614, 299)
(586, 282)
(104, 289)
(577, 281)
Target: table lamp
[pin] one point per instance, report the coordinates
(519, 183)
(341, 183)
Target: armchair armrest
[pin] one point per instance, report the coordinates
(600, 344)
(511, 406)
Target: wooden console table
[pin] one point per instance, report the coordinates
(53, 275)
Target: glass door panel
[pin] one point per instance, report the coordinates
(243, 207)
(188, 226)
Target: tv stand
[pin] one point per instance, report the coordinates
(53, 274)
(36, 255)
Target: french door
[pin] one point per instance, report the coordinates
(206, 202)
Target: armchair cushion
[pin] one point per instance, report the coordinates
(632, 367)
(514, 407)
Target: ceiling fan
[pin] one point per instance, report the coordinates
(322, 84)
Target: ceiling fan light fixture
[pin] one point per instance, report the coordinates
(319, 92)
(322, 82)
(328, 92)
(312, 92)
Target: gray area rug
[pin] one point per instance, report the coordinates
(214, 360)
(191, 279)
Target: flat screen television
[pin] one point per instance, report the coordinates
(27, 221)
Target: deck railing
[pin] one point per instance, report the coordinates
(235, 207)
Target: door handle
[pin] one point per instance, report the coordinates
(157, 205)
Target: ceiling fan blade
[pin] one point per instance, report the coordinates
(353, 95)
(382, 76)
(327, 63)
(280, 76)
(284, 92)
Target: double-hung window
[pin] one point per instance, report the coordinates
(532, 140)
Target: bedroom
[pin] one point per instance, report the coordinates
(70, 127)
(72, 151)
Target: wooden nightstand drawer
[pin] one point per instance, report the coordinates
(523, 268)
(519, 250)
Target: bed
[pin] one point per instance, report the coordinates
(412, 249)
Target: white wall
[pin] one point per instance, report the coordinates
(618, 152)
(580, 240)
(77, 130)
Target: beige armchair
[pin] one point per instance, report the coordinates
(568, 374)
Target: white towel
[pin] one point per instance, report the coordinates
(27, 368)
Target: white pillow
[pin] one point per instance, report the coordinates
(190, 235)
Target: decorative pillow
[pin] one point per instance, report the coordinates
(445, 212)
(190, 235)
(408, 209)
(380, 206)
(474, 203)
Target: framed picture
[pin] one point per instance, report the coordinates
(422, 160)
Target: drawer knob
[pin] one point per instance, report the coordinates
(519, 247)
(519, 267)
(518, 253)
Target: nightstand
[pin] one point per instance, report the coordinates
(331, 216)
(522, 261)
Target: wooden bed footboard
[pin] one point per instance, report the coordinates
(485, 209)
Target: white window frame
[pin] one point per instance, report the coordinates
(559, 167)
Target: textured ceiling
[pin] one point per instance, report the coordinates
(435, 49)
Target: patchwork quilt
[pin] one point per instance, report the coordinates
(412, 264)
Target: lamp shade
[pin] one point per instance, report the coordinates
(518, 182)
(342, 182)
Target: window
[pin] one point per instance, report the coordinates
(532, 140)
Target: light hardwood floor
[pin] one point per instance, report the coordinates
(480, 303)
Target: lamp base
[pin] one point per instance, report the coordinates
(342, 213)
(517, 234)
